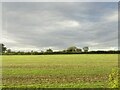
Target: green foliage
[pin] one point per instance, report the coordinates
(49, 51)
(70, 50)
(113, 79)
(74, 49)
(85, 49)
(2, 48)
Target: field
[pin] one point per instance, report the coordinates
(58, 71)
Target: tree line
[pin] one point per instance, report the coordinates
(70, 50)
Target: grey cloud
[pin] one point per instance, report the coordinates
(60, 25)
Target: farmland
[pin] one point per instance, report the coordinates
(58, 71)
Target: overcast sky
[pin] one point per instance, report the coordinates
(41, 25)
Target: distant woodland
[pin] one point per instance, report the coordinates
(70, 50)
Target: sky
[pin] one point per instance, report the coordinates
(58, 25)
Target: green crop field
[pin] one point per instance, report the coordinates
(58, 71)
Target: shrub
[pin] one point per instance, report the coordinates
(113, 79)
